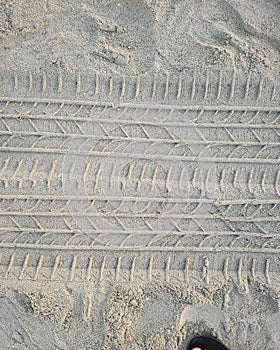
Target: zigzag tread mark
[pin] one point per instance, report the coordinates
(189, 239)
(121, 222)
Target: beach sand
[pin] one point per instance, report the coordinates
(139, 174)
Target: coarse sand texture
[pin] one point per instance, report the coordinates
(139, 174)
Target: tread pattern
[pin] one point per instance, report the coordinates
(123, 265)
(203, 86)
(113, 162)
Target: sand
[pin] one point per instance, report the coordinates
(139, 174)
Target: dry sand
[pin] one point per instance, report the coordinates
(139, 174)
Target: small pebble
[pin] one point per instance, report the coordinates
(134, 302)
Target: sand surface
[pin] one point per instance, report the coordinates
(139, 174)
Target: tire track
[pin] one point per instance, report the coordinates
(156, 163)
(249, 181)
(127, 265)
(197, 85)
